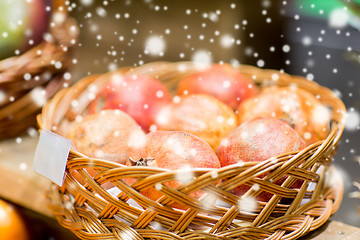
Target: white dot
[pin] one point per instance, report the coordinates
(86, 2)
(352, 120)
(310, 76)
(158, 186)
(32, 132)
(58, 65)
(275, 77)
(59, 17)
(176, 99)
(226, 84)
(338, 18)
(202, 58)
(101, 12)
(27, 76)
(260, 63)
(248, 204)
(220, 119)
(213, 17)
(307, 135)
(337, 93)
(38, 96)
(23, 166)
(214, 174)
(227, 41)
(306, 40)
(286, 48)
(154, 45)
(256, 187)
(159, 94)
(67, 76)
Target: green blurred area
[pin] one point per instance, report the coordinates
(12, 26)
(320, 8)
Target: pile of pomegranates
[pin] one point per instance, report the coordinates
(218, 118)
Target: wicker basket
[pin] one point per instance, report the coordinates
(92, 212)
(23, 78)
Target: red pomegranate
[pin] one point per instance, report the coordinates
(310, 118)
(106, 135)
(221, 81)
(199, 114)
(257, 140)
(174, 150)
(140, 96)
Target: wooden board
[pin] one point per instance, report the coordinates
(21, 185)
(18, 183)
(334, 230)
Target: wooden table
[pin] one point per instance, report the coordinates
(20, 185)
(18, 182)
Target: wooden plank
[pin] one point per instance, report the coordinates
(18, 183)
(334, 230)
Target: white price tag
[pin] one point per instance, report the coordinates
(51, 156)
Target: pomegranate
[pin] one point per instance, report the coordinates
(173, 150)
(221, 81)
(107, 135)
(310, 118)
(140, 96)
(257, 140)
(199, 114)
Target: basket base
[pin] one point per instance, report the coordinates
(84, 224)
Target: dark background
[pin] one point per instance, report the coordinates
(318, 51)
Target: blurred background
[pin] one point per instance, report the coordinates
(317, 39)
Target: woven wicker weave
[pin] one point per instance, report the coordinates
(92, 212)
(46, 63)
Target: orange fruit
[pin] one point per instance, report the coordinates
(12, 225)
